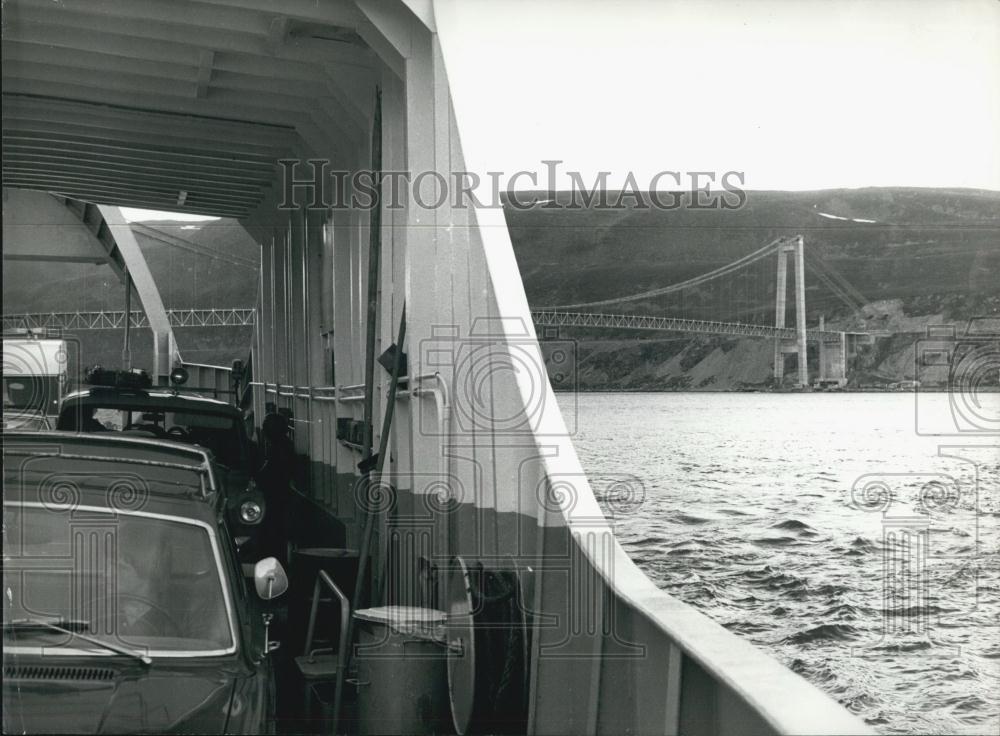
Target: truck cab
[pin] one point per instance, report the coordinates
(35, 378)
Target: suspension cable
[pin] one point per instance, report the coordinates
(746, 260)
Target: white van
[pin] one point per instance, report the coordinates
(35, 377)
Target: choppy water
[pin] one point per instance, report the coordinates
(749, 515)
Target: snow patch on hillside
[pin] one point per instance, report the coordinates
(846, 219)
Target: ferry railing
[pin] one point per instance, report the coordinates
(216, 380)
(322, 402)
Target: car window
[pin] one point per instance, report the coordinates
(220, 433)
(148, 583)
(31, 393)
(112, 419)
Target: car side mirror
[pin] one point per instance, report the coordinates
(269, 578)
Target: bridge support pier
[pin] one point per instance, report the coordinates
(800, 310)
(833, 360)
(779, 314)
(822, 350)
(832, 357)
(795, 249)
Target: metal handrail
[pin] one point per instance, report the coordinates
(345, 620)
(289, 390)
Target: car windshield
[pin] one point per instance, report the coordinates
(31, 393)
(149, 584)
(219, 433)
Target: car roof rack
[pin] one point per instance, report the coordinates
(118, 378)
(203, 467)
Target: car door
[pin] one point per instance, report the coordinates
(252, 629)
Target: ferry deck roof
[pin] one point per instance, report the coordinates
(181, 106)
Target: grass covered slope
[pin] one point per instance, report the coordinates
(908, 244)
(187, 277)
(918, 256)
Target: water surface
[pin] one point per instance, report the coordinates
(822, 528)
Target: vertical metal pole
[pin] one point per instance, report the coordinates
(373, 475)
(274, 325)
(288, 308)
(305, 371)
(800, 309)
(127, 346)
(374, 257)
(779, 311)
(287, 318)
(259, 352)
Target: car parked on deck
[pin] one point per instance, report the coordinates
(170, 414)
(127, 609)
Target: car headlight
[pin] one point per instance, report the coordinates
(251, 512)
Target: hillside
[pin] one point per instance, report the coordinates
(186, 279)
(917, 244)
(918, 256)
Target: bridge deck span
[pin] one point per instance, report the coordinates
(675, 324)
(238, 317)
(115, 319)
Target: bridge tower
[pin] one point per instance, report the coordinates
(795, 249)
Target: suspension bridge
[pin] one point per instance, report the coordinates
(752, 288)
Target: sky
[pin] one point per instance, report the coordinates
(797, 95)
(133, 214)
(791, 94)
